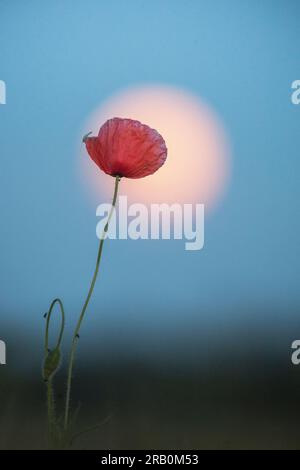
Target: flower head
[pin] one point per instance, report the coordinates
(125, 147)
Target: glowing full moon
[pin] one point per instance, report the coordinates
(197, 167)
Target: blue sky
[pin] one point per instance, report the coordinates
(61, 59)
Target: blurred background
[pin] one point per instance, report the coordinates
(179, 349)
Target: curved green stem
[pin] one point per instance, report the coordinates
(62, 326)
(76, 332)
(50, 365)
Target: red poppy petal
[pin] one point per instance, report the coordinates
(126, 147)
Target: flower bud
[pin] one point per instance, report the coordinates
(51, 364)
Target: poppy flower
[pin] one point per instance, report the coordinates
(125, 147)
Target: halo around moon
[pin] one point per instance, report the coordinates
(198, 165)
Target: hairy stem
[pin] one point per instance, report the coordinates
(51, 412)
(51, 364)
(85, 305)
